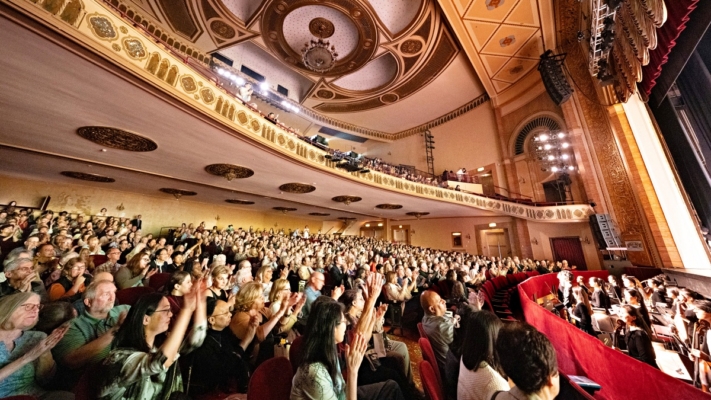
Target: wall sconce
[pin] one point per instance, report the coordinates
(492, 225)
(534, 241)
(469, 236)
(586, 240)
(120, 207)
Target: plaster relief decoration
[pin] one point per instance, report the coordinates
(102, 27)
(116, 138)
(300, 188)
(88, 177)
(134, 48)
(73, 203)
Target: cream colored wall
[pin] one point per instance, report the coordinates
(437, 233)
(157, 212)
(542, 232)
(407, 151)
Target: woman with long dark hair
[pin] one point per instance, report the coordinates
(480, 373)
(582, 312)
(142, 363)
(638, 336)
(634, 298)
(319, 374)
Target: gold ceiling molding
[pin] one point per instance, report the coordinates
(300, 188)
(347, 200)
(238, 201)
(116, 138)
(88, 177)
(244, 122)
(389, 206)
(229, 171)
(321, 28)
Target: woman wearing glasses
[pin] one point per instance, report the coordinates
(142, 363)
(136, 272)
(25, 358)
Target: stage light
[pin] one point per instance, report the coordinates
(554, 169)
(547, 147)
(565, 145)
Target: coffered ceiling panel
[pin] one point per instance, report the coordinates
(508, 39)
(515, 68)
(396, 15)
(494, 63)
(490, 10)
(376, 73)
(480, 32)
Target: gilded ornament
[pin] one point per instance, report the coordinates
(88, 177)
(208, 96)
(134, 48)
(188, 83)
(220, 28)
(325, 94)
(116, 47)
(411, 47)
(507, 41)
(321, 27)
(241, 116)
(229, 171)
(299, 188)
(123, 30)
(116, 138)
(102, 27)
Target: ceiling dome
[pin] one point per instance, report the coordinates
(296, 29)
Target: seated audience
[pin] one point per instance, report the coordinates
(264, 276)
(179, 285)
(88, 339)
(480, 372)
(53, 315)
(142, 362)
(70, 285)
(160, 264)
(634, 298)
(280, 293)
(700, 354)
(21, 278)
(220, 282)
(454, 355)
(26, 362)
(221, 363)
(438, 326)
(136, 272)
(600, 299)
(529, 360)
(638, 336)
(112, 263)
(319, 373)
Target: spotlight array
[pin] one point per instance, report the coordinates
(549, 149)
(263, 90)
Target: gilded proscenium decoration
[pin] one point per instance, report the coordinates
(347, 199)
(238, 201)
(88, 177)
(116, 138)
(102, 27)
(389, 206)
(300, 188)
(134, 48)
(266, 134)
(229, 171)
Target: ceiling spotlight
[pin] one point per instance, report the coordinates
(571, 168)
(565, 156)
(480, 169)
(400, 226)
(551, 158)
(554, 169)
(561, 135)
(264, 86)
(492, 225)
(540, 147)
(239, 80)
(547, 147)
(367, 225)
(543, 137)
(565, 145)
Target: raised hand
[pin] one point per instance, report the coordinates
(355, 352)
(337, 292)
(47, 344)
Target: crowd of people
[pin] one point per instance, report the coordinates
(230, 299)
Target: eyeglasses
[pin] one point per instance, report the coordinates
(32, 307)
(167, 310)
(224, 313)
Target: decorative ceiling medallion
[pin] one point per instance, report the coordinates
(134, 48)
(325, 94)
(507, 41)
(418, 214)
(494, 4)
(116, 138)
(346, 199)
(389, 206)
(411, 47)
(516, 70)
(318, 214)
(102, 27)
(300, 188)
(238, 201)
(284, 210)
(229, 171)
(88, 177)
(272, 24)
(207, 95)
(221, 29)
(346, 219)
(178, 193)
(321, 27)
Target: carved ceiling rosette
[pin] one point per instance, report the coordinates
(116, 138)
(241, 202)
(347, 199)
(88, 177)
(299, 188)
(229, 171)
(319, 214)
(389, 206)
(178, 193)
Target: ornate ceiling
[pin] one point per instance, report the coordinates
(388, 52)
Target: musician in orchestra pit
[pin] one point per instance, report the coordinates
(701, 341)
(638, 336)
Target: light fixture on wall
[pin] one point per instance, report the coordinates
(534, 241)
(469, 236)
(380, 224)
(367, 225)
(492, 225)
(120, 207)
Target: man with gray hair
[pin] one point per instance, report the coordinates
(21, 277)
(88, 340)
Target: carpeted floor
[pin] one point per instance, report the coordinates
(410, 339)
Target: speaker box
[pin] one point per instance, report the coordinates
(604, 231)
(553, 77)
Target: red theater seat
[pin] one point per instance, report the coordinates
(429, 356)
(130, 296)
(429, 381)
(271, 380)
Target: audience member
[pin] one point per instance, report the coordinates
(529, 360)
(638, 336)
(438, 326)
(135, 273)
(480, 372)
(70, 284)
(582, 312)
(20, 278)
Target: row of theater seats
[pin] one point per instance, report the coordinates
(501, 294)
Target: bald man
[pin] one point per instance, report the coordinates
(438, 326)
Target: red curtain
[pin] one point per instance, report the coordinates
(678, 12)
(621, 376)
(569, 249)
